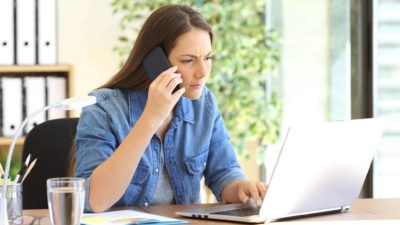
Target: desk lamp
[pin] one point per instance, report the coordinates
(66, 104)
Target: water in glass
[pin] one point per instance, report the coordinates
(66, 202)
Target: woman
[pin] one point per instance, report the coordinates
(144, 144)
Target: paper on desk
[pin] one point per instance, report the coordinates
(124, 217)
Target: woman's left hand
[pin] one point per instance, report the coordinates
(246, 191)
(251, 191)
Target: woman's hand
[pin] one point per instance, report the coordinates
(245, 191)
(160, 100)
(249, 191)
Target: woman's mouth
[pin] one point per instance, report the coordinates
(196, 86)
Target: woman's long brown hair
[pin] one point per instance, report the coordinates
(162, 28)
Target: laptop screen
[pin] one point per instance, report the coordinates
(321, 167)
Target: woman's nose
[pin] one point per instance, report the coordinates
(201, 70)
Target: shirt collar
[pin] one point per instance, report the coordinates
(185, 106)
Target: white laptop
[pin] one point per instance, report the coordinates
(321, 169)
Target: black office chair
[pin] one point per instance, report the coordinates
(50, 142)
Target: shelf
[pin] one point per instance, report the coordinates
(62, 70)
(35, 69)
(6, 141)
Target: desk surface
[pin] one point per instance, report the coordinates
(379, 211)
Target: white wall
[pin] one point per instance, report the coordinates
(87, 34)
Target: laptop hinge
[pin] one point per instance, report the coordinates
(345, 208)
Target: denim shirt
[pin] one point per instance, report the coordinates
(196, 144)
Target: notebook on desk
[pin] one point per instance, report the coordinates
(320, 169)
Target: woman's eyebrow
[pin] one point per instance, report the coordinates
(194, 56)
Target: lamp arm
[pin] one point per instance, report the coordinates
(14, 140)
(3, 200)
(65, 104)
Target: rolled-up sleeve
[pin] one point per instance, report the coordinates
(223, 166)
(95, 142)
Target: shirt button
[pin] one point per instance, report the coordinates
(204, 164)
(146, 204)
(156, 170)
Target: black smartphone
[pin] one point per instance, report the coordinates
(155, 63)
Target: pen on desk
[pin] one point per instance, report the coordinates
(23, 168)
(27, 171)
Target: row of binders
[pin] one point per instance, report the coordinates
(28, 32)
(23, 95)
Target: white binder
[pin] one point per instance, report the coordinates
(35, 99)
(6, 32)
(12, 104)
(56, 91)
(26, 40)
(47, 36)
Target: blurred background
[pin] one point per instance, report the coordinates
(278, 63)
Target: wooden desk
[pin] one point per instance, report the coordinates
(376, 211)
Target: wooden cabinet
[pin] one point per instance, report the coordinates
(34, 70)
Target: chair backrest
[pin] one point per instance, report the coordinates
(50, 142)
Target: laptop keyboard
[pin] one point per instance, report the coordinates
(240, 212)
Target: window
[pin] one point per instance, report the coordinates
(387, 100)
(314, 77)
(340, 60)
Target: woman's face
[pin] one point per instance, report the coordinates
(192, 55)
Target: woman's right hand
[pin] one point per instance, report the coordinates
(160, 99)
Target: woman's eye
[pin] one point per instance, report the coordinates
(186, 61)
(210, 58)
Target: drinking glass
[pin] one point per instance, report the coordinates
(14, 200)
(66, 198)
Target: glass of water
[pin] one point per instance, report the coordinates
(66, 198)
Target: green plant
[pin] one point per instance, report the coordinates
(246, 53)
(15, 162)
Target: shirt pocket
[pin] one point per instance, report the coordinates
(141, 174)
(195, 167)
(197, 164)
(135, 191)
